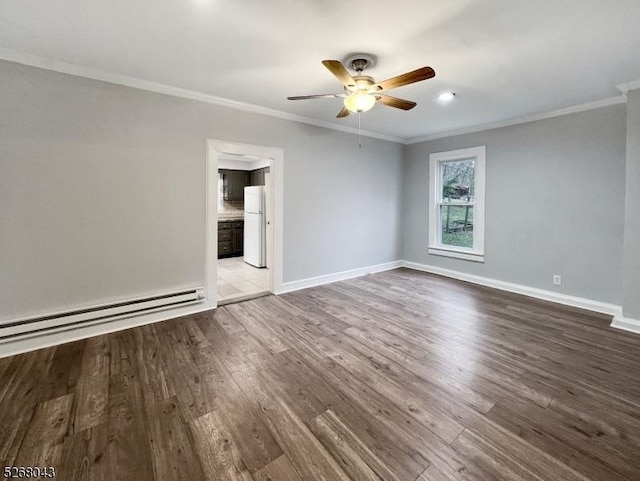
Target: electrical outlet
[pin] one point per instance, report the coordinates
(557, 280)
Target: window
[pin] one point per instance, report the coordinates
(456, 204)
(222, 188)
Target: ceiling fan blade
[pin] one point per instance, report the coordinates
(343, 113)
(396, 102)
(418, 75)
(320, 96)
(341, 73)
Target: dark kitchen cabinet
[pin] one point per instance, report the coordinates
(238, 241)
(233, 183)
(257, 176)
(225, 249)
(230, 238)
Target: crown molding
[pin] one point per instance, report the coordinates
(626, 87)
(522, 120)
(11, 55)
(113, 78)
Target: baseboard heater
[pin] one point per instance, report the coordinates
(74, 319)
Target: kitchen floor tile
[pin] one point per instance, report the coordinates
(237, 279)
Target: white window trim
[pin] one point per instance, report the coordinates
(435, 247)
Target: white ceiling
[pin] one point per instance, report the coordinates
(504, 59)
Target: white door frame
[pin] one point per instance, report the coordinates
(274, 205)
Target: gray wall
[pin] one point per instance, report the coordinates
(554, 203)
(102, 192)
(631, 273)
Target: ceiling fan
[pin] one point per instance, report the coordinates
(361, 92)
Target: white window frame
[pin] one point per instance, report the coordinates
(476, 254)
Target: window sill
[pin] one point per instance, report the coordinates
(467, 256)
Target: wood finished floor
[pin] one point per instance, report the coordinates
(398, 376)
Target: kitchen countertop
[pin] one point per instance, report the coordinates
(233, 218)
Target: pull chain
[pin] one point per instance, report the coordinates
(359, 133)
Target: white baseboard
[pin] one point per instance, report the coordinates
(68, 335)
(338, 276)
(565, 299)
(64, 335)
(626, 324)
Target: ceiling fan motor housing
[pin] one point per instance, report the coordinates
(363, 83)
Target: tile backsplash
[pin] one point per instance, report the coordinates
(230, 209)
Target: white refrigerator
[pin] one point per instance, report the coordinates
(255, 245)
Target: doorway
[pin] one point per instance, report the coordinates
(243, 221)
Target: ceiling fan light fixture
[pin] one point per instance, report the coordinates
(359, 102)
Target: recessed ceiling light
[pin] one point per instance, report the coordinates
(446, 96)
